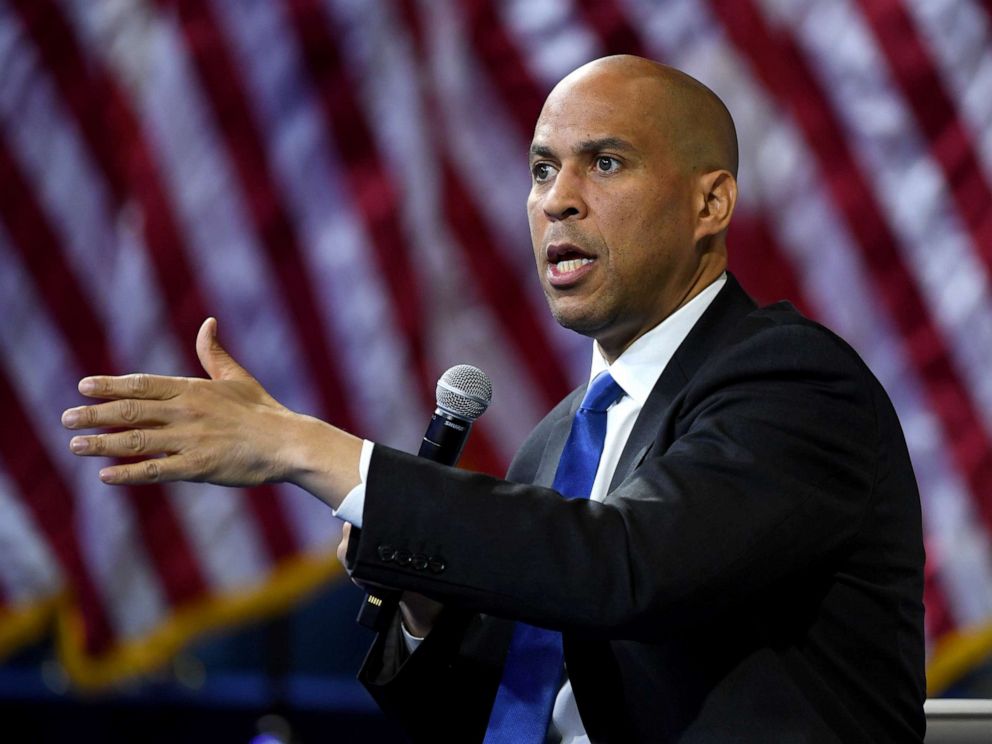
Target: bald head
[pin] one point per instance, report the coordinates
(690, 118)
(633, 187)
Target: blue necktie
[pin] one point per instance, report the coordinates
(534, 663)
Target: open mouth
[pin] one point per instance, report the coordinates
(567, 264)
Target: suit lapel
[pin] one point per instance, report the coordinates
(709, 333)
(645, 431)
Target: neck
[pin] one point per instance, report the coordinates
(704, 277)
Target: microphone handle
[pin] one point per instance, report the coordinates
(443, 443)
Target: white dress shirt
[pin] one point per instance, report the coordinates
(636, 371)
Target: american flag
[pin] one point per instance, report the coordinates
(342, 183)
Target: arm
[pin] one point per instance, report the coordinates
(767, 469)
(226, 430)
(763, 469)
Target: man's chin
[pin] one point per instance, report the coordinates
(580, 321)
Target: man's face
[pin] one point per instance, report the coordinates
(611, 210)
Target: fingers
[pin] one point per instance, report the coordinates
(342, 551)
(157, 470)
(141, 386)
(214, 358)
(123, 444)
(119, 413)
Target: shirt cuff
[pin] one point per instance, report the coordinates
(352, 506)
(409, 639)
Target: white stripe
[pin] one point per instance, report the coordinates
(112, 268)
(29, 572)
(776, 166)
(43, 373)
(957, 33)
(549, 36)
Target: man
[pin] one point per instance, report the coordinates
(748, 565)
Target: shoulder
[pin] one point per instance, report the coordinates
(779, 338)
(776, 365)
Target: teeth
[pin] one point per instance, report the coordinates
(572, 264)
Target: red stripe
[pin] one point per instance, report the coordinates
(42, 257)
(760, 263)
(606, 19)
(114, 136)
(51, 504)
(951, 144)
(375, 195)
(507, 69)
(783, 71)
(221, 80)
(986, 5)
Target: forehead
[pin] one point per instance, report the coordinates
(602, 108)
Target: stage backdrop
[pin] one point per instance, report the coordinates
(342, 183)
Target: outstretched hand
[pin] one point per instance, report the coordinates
(226, 429)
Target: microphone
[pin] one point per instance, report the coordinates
(463, 394)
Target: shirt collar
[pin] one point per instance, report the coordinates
(639, 367)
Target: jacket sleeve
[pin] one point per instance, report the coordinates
(763, 468)
(444, 690)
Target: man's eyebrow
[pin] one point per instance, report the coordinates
(585, 147)
(603, 143)
(541, 151)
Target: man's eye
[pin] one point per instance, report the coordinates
(541, 171)
(607, 164)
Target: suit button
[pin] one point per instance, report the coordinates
(403, 557)
(386, 553)
(419, 561)
(436, 564)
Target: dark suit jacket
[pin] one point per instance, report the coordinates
(755, 573)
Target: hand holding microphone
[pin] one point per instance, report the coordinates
(463, 394)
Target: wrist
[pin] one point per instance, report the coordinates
(320, 458)
(419, 613)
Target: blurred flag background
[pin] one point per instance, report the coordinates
(342, 183)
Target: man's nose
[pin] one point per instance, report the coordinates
(564, 199)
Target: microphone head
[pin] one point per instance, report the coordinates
(464, 391)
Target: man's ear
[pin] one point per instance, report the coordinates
(717, 197)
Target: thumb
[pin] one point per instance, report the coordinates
(215, 361)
